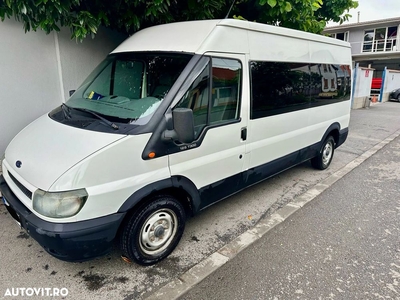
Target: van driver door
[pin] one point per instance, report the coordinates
(217, 95)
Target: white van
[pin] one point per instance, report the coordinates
(178, 117)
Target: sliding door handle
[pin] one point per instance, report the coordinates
(243, 133)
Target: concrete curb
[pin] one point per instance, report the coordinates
(179, 286)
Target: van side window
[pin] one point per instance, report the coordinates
(226, 75)
(221, 103)
(279, 88)
(330, 86)
(197, 99)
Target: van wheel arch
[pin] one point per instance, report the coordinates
(179, 198)
(333, 131)
(178, 187)
(166, 187)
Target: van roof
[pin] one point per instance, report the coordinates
(227, 35)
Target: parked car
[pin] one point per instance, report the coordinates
(395, 95)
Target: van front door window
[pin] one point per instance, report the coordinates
(221, 103)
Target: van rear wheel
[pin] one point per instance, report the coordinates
(325, 155)
(153, 231)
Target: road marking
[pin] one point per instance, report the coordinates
(178, 287)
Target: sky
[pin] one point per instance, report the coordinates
(375, 10)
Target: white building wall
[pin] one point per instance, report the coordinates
(392, 82)
(362, 88)
(79, 59)
(37, 70)
(28, 78)
(356, 38)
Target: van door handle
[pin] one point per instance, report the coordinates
(243, 134)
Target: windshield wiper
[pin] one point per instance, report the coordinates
(111, 124)
(66, 111)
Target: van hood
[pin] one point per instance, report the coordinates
(46, 149)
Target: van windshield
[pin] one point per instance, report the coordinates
(129, 86)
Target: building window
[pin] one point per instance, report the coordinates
(344, 36)
(380, 39)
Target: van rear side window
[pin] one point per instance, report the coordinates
(282, 87)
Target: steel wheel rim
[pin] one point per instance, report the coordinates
(158, 231)
(327, 153)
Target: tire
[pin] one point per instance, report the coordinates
(398, 97)
(153, 231)
(325, 155)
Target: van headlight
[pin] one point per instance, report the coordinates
(59, 205)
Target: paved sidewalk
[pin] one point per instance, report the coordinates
(371, 130)
(343, 245)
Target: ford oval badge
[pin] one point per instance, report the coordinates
(18, 164)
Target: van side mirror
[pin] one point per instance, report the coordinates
(183, 124)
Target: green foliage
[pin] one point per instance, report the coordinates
(336, 10)
(84, 17)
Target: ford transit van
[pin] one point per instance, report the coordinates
(176, 118)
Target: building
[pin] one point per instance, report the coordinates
(375, 48)
(374, 44)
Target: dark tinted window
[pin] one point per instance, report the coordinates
(285, 87)
(279, 88)
(330, 84)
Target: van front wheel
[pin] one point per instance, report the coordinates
(325, 155)
(152, 233)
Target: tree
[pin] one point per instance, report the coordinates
(306, 15)
(84, 17)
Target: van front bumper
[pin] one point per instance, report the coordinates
(77, 241)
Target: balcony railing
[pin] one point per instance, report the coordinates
(382, 45)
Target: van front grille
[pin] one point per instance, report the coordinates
(23, 189)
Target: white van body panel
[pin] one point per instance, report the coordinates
(220, 40)
(276, 136)
(112, 174)
(216, 158)
(261, 41)
(47, 149)
(109, 177)
(181, 37)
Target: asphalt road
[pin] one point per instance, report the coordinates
(24, 264)
(345, 244)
